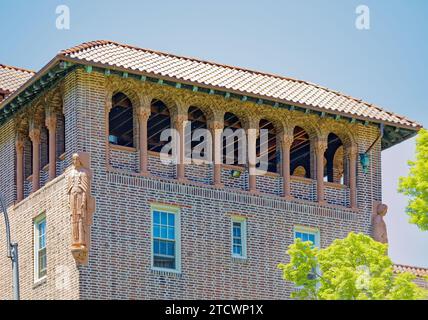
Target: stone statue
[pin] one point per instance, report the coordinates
(378, 223)
(82, 206)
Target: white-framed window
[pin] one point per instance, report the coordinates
(166, 246)
(40, 258)
(308, 234)
(239, 237)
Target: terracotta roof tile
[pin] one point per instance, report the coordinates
(228, 77)
(214, 75)
(11, 78)
(419, 272)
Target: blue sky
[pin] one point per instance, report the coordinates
(312, 40)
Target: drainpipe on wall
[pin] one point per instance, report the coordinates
(12, 251)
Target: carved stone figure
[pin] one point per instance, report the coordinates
(378, 223)
(82, 206)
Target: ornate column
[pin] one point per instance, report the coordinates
(143, 114)
(216, 127)
(252, 128)
(34, 134)
(50, 122)
(320, 146)
(286, 139)
(179, 121)
(352, 153)
(19, 145)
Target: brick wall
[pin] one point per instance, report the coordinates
(119, 262)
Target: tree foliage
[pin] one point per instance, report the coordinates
(415, 184)
(354, 268)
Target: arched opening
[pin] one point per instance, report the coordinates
(300, 154)
(198, 121)
(334, 160)
(28, 157)
(266, 146)
(44, 147)
(121, 121)
(233, 140)
(159, 121)
(60, 135)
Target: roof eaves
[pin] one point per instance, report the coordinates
(29, 82)
(414, 127)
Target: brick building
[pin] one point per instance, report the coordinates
(188, 230)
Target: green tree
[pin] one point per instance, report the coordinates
(354, 268)
(415, 184)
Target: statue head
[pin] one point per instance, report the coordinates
(77, 163)
(382, 209)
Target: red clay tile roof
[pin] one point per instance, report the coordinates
(419, 272)
(11, 78)
(243, 81)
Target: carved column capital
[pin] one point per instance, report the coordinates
(179, 120)
(50, 121)
(19, 143)
(143, 114)
(108, 105)
(145, 101)
(34, 135)
(351, 151)
(215, 125)
(286, 139)
(320, 146)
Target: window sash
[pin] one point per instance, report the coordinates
(165, 248)
(40, 259)
(239, 238)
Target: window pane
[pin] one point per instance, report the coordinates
(164, 232)
(298, 235)
(312, 238)
(156, 246)
(156, 231)
(42, 263)
(156, 218)
(171, 233)
(237, 250)
(170, 248)
(171, 219)
(305, 237)
(162, 249)
(164, 217)
(164, 262)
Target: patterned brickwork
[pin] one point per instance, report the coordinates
(119, 262)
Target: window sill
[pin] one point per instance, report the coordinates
(233, 167)
(122, 148)
(39, 282)
(238, 259)
(335, 185)
(166, 272)
(302, 179)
